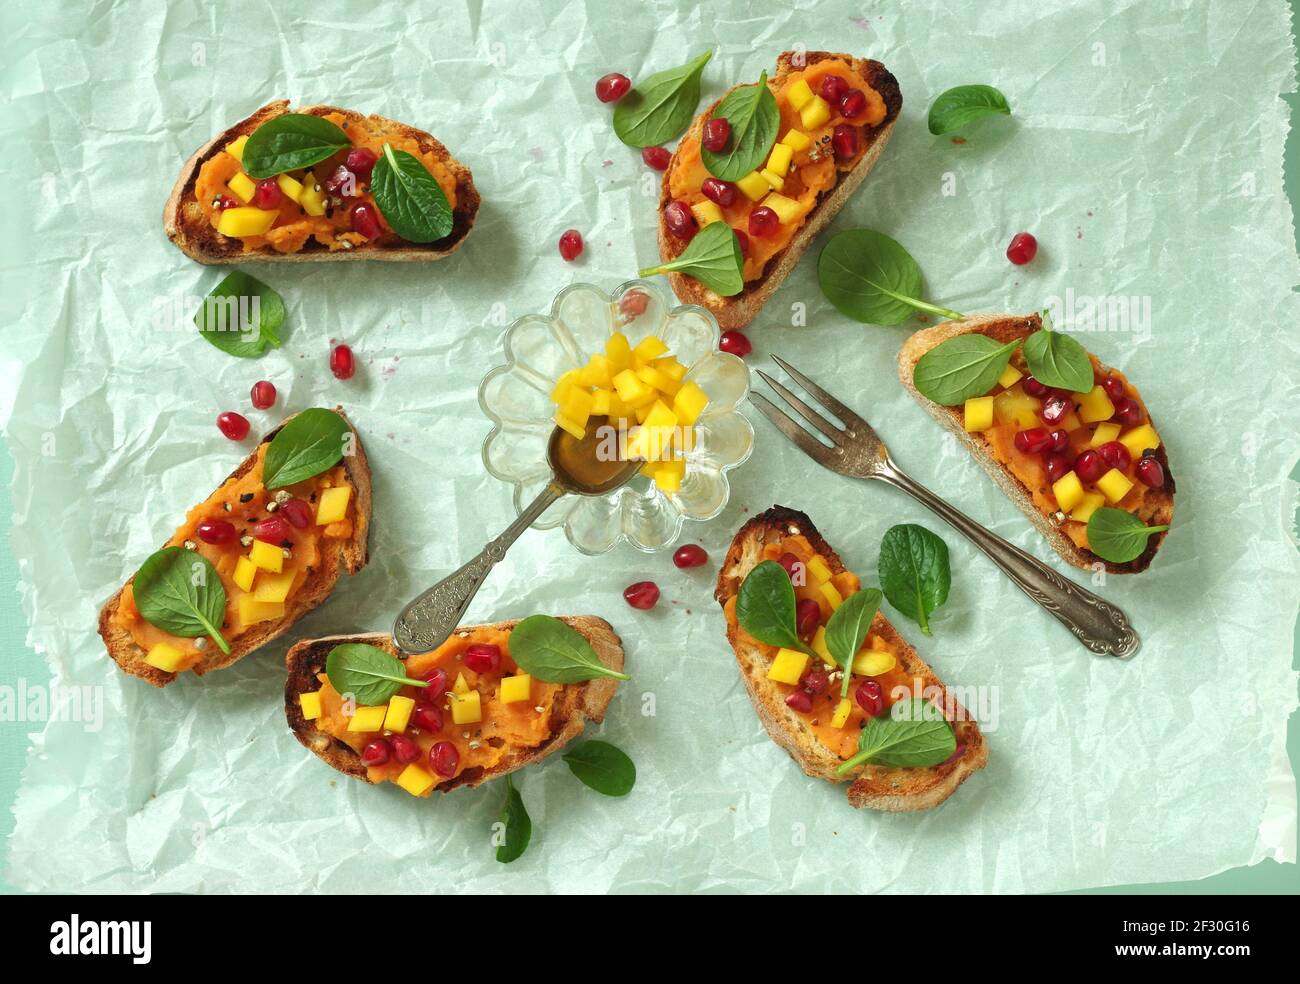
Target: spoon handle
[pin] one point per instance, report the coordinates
(426, 622)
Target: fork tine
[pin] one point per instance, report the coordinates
(804, 411)
(851, 419)
(806, 443)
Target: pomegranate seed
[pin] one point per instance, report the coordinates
(1114, 387)
(833, 88)
(1058, 463)
(1023, 248)
(1090, 466)
(816, 682)
(443, 759)
(1033, 387)
(376, 752)
(263, 394)
(736, 343)
(1150, 472)
(273, 529)
(807, 616)
(267, 194)
(853, 104)
(437, 680)
(404, 750)
(612, 87)
(1060, 440)
(793, 567)
(763, 221)
(483, 657)
(743, 239)
(365, 220)
(681, 223)
(427, 717)
(342, 363)
(361, 161)
(633, 303)
(1127, 411)
(869, 698)
(341, 183)
(570, 244)
(1115, 455)
(233, 425)
(643, 595)
(226, 201)
(799, 700)
(722, 192)
(656, 157)
(298, 513)
(1033, 441)
(844, 139)
(690, 555)
(1054, 408)
(216, 531)
(716, 134)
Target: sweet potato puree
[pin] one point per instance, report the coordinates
(305, 549)
(813, 172)
(333, 229)
(481, 745)
(842, 741)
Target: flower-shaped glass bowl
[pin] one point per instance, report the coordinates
(539, 348)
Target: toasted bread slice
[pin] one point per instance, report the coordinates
(1157, 507)
(577, 704)
(349, 554)
(876, 787)
(187, 225)
(739, 310)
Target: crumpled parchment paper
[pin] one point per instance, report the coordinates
(1145, 153)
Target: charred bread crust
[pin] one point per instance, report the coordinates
(739, 310)
(187, 226)
(1004, 328)
(351, 556)
(578, 702)
(877, 787)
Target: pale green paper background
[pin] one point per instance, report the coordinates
(1102, 773)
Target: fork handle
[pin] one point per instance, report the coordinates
(1095, 622)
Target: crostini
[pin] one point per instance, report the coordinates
(302, 190)
(479, 717)
(249, 561)
(1074, 461)
(837, 112)
(799, 694)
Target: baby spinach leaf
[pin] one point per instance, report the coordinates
(550, 650)
(871, 278)
(751, 110)
(369, 674)
(180, 592)
(518, 826)
(1119, 536)
(765, 607)
(712, 257)
(241, 316)
(307, 445)
(603, 767)
(961, 368)
(1058, 360)
(410, 198)
(914, 572)
(963, 104)
(661, 107)
(914, 735)
(847, 630)
(291, 142)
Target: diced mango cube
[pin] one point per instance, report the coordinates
(1139, 439)
(788, 666)
(842, 711)
(461, 686)
(1104, 434)
(1092, 501)
(652, 376)
(1010, 376)
(777, 181)
(873, 662)
(630, 388)
(596, 372)
(1068, 491)
(164, 657)
(799, 93)
(831, 594)
(368, 718)
(399, 713)
(797, 140)
(786, 209)
(689, 403)
(416, 780)
(576, 406)
(1015, 406)
(246, 221)
(241, 185)
(467, 708)
(245, 572)
(252, 611)
(648, 349)
(670, 367)
(312, 198)
(274, 587)
(267, 556)
(753, 186)
(815, 114)
(565, 424)
(1095, 405)
(1114, 485)
(978, 414)
(619, 352)
(516, 688)
(669, 475)
(291, 187)
(705, 212)
(778, 162)
(310, 704)
(566, 384)
(818, 645)
(333, 505)
(600, 402)
(236, 148)
(818, 568)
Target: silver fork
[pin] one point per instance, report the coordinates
(858, 452)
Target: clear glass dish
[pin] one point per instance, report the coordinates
(516, 398)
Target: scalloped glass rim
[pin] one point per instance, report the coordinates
(643, 516)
